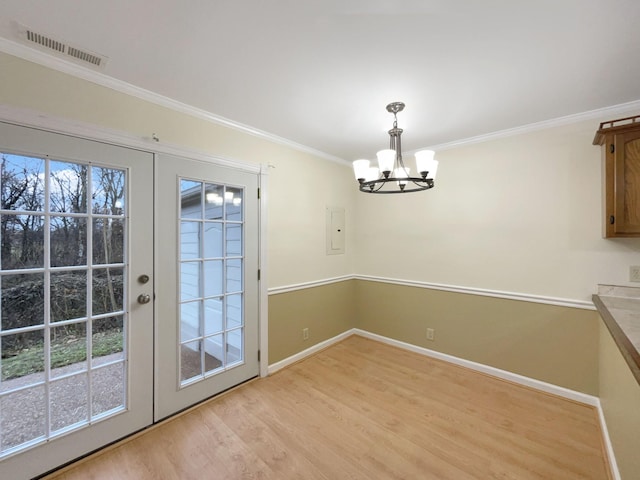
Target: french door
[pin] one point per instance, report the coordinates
(90, 247)
(76, 264)
(207, 281)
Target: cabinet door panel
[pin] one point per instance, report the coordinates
(627, 191)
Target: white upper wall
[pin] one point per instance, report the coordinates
(520, 214)
(300, 186)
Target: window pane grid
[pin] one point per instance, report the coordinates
(33, 328)
(211, 250)
(52, 225)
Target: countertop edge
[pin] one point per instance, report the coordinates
(628, 350)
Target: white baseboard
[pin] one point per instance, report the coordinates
(479, 367)
(274, 367)
(613, 465)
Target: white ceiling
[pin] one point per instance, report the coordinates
(320, 73)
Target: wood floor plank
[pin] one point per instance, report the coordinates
(469, 429)
(365, 410)
(368, 408)
(286, 423)
(272, 449)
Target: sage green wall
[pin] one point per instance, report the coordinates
(620, 399)
(326, 310)
(554, 344)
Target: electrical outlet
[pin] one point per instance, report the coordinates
(634, 273)
(305, 334)
(431, 334)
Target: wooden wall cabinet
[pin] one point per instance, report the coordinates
(620, 140)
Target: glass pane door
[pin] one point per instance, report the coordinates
(207, 337)
(75, 367)
(211, 279)
(62, 279)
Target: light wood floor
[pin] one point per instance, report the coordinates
(364, 410)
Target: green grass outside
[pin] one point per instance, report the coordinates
(31, 360)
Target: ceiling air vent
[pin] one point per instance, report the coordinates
(59, 48)
(84, 56)
(45, 41)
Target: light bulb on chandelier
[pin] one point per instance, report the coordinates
(391, 175)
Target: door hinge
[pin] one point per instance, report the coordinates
(258, 192)
(258, 274)
(612, 220)
(258, 355)
(612, 148)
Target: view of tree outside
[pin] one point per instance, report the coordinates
(58, 219)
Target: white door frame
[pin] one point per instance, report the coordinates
(34, 119)
(31, 118)
(171, 395)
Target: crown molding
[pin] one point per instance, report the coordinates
(32, 55)
(598, 114)
(78, 71)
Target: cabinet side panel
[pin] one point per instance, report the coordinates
(608, 188)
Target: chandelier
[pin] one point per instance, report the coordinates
(391, 175)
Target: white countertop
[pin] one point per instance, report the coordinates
(624, 305)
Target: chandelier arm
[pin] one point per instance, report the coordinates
(376, 190)
(376, 186)
(422, 182)
(406, 190)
